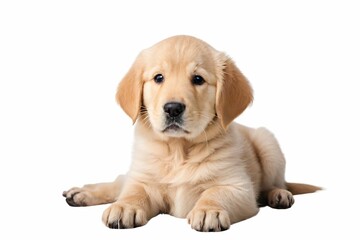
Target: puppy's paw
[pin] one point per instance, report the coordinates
(78, 197)
(280, 199)
(120, 216)
(208, 220)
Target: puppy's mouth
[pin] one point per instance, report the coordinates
(174, 128)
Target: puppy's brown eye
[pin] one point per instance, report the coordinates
(197, 80)
(159, 78)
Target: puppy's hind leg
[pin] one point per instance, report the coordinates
(94, 194)
(274, 191)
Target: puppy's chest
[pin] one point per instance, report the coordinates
(178, 162)
(171, 162)
(181, 165)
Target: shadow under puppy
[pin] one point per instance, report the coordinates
(190, 159)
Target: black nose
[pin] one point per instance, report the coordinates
(174, 109)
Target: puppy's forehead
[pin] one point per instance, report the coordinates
(181, 52)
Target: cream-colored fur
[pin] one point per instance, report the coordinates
(199, 165)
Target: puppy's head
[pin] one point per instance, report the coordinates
(182, 85)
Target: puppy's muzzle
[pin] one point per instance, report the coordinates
(174, 112)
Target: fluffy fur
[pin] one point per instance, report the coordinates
(199, 164)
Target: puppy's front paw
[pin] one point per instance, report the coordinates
(120, 215)
(78, 197)
(208, 220)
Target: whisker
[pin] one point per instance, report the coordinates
(144, 113)
(212, 118)
(206, 140)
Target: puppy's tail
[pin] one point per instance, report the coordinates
(301, 188)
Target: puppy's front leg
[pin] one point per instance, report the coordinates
(132, 209)
(220, 206)
(94, 194)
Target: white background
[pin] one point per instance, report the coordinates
(61, 61)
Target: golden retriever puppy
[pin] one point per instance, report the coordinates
(190, 159)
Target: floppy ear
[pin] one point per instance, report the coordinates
(129, 92)
(233, 93)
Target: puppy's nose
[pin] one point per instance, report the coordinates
(174, 109)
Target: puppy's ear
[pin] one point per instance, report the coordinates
(233, 93)
(129, 92)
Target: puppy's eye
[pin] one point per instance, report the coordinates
(159, 78)
(197, 80)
